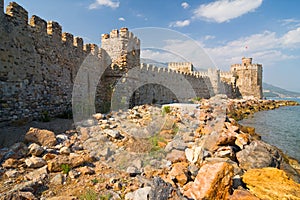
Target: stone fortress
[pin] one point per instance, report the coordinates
(39, 64)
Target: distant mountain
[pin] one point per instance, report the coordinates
(273, 91)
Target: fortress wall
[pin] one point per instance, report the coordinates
(38, 64)
(151, 84)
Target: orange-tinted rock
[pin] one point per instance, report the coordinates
(204, 130)
(226, 138)
(248, 129)
(213, 181)
(54, 165)
(41, 137)
(242, 195)
(11, 163)
(271, 183)
(178, 174)
(231, 127)
(242, 140)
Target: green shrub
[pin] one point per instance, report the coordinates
(154, 140)
(90, 195)
(65, 168)
(105, 196)
(166, 110)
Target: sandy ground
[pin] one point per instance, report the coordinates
(11, 134)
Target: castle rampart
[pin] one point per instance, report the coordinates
(39, 63)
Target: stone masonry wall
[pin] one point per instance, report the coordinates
(248, 78)
(38, 64)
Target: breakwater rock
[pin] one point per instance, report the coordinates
(239, 109)
(178, 151)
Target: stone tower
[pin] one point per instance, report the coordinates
(248, 78)
(122, 47)
(122, 52)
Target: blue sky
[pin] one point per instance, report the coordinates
(267, 30)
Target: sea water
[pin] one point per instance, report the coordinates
(279, 127)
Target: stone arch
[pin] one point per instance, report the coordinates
(139, 76)
(151, 94)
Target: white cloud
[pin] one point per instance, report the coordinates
(121, 19)
(266, 47)
(225, 10)
(292, 38)
(185, 5)
(105, 3)
(209, 37)
(180, 23)
(289, 21)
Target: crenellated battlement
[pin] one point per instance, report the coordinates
(68, 39)
(122, 47)
(123, 33)
(39, 63)
(17, 13)
(19, 17)
(38, 23)
(54, 29)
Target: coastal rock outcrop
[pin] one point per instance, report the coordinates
(271, 183)
(213, 181)
(258, 155)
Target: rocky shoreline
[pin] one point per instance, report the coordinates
(179, 151)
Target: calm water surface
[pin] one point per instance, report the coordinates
(279, 127)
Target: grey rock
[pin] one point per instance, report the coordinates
(65, 150)
(19, 150)
(176, 144)
(61, 138)
(132, 171)
(74, 174)
(12, 173)
(35, 162)
(160, 189)
(113, 133)
(139, 194)
(258, 155)
(58, 179)
(38, 174)
(35, 149)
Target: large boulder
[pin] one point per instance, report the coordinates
(271, 183)
(258, 155)
(40, 136)
(213, 181)
(73, 160)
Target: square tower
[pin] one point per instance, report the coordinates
(122, 47)
(248, 78)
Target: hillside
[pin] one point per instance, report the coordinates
(273, 91)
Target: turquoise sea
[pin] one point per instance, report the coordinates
(279, 127)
